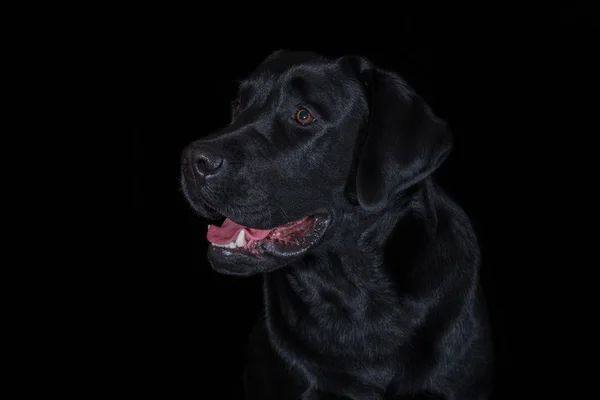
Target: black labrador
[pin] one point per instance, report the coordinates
(371, 272)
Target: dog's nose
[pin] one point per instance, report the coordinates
(206, 161)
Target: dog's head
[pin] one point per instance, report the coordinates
(309, 136)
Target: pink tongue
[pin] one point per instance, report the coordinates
(228, 232)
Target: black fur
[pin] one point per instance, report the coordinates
(388, 304)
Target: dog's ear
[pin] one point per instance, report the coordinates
(405, 142)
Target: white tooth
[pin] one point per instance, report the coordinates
(241, 239)
(208, 226)
(232, 245)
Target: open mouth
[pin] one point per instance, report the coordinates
(289, 239)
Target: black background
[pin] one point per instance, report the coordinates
(486, 74)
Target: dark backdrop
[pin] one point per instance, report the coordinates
(191, 323)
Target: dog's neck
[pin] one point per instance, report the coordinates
(348, 278)
(316, 303)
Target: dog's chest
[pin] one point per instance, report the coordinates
(331, 339)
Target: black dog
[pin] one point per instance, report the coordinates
(371, 272)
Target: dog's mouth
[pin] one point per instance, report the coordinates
(287, 240)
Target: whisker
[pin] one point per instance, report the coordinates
(283, 211)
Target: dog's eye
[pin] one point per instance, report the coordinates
(304, 117)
